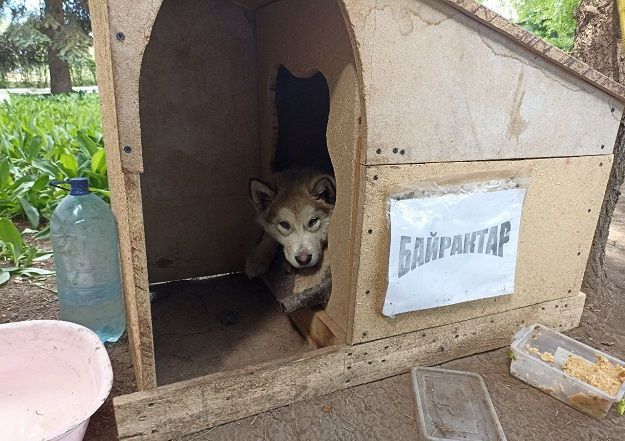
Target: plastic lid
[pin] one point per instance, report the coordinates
(79, 186)
(454, 405)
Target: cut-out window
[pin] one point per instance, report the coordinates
(302, 108)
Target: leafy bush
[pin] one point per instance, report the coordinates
(29, 32)
(551, 20)
(19, 254)
(43, 139)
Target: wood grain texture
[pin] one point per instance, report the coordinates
(189, 406)
(557, 225)
(317, 327)
(126, 204)
(440, 86)
(129, 30)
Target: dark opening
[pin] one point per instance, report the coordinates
(302, 108)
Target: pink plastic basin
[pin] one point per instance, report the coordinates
(53, 376)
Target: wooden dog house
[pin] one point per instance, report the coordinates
(416, 90)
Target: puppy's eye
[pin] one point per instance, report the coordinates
(313, 222)
(285, 225)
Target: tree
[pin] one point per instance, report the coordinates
(597, 43)
(551, 20)
(24, 48)
(60, 80)
(59, 30)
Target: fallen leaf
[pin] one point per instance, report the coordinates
(511, 355)
(327, 408)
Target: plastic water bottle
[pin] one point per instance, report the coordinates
(86, 255)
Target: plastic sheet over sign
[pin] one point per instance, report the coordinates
(453, 241)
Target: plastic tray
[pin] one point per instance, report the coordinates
(454, 405)
(549, 377)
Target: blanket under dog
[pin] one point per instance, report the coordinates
(300, 288)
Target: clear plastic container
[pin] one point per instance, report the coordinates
(454, 405)
(86, 255)
(533, 342)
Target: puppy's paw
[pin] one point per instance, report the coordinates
(255, 268)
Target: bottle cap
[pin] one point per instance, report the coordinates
(79, 186)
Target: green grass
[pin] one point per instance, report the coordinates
(44, 139)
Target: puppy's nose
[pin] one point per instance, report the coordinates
(303, 257)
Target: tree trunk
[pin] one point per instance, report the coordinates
(60, 79)
(597, 43)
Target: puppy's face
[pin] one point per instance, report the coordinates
(297, 215)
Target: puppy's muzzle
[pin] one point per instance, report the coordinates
(303, 258)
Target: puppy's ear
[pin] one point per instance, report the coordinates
(261, 194)
(324, 189)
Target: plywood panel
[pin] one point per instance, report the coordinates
(199, 130)
(557, 227)
(128, 33)
(308, 37)
(126, 204)
(439, 86)
(189, 406)
(131, 26)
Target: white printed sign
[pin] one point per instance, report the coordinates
(452, 248)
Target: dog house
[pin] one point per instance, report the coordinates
(198, 96)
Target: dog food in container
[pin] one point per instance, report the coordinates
(576, 374)
(454, 405)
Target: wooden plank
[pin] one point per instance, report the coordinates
(128, 34)
(309, 37)
(139, 297)
(557, 227)
(317, 327)
(440, 86)
(171, 411)
(126, 204)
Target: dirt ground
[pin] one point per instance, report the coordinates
(383, 410)
(219, 324)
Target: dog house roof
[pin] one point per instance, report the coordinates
(495, 21)
(539, 46)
